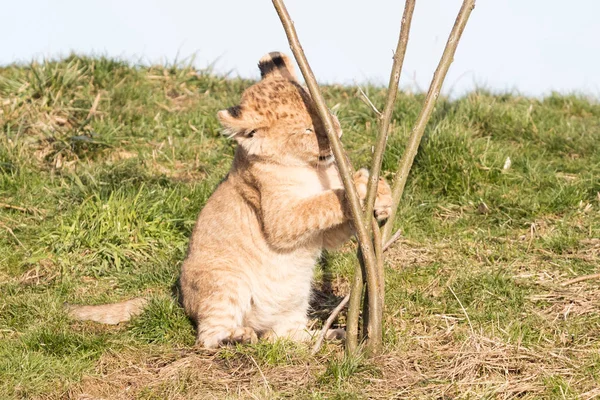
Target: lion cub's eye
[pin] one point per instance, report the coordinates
(251, 133)
(308, 131)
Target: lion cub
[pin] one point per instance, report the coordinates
(251, 256)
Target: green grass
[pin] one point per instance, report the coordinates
(104, 167)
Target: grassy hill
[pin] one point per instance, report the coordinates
(104, 167)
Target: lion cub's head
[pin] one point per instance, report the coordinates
(276, 120)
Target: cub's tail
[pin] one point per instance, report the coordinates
(108, 313)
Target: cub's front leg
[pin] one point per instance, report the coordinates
(288, 222)
(335, 237)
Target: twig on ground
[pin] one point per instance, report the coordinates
(264, 378)
(580, 279)
(432, 94)
(364, 239)
(463, 309)
(392, 240)
(328, 323)
(17, 208)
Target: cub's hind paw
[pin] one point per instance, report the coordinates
(224, 336)
(242, 335)
(383, 201)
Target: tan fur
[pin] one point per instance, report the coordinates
(109, 313)
(251, 256)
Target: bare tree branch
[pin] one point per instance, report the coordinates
(367, 322)
(356, 295)
(430, 100)
(375, 335)
(328, 323)
(379, 257)
(371, 253)
(392, 240)
(385, 118)
(356, 292)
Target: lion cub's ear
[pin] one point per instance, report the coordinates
(276, 64)
(237, 124)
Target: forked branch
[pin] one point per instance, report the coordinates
(364, 240)
(408, 157)
(385, 119)
(372, 258)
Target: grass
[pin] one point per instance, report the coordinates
(104, 167)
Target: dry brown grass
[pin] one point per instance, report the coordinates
(448, 363)
(205, 375)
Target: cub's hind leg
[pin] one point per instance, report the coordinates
(218, 302)
(221, 317)
(215, 336)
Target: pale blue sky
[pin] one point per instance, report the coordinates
(532, 46)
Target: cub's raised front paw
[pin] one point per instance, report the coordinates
(383, 201)
(361, 180)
